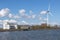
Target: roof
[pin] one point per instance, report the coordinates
(12, 23)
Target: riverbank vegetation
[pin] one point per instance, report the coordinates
(33, 27)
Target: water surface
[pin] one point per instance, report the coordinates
(31, 35)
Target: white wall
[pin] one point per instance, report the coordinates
(5, 26)
(15, 26)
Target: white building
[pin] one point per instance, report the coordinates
(9, 25)
(24, 26)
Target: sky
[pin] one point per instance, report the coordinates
(29, 11)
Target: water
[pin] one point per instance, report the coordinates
(31, 35)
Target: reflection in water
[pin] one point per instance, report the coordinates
(31, 35)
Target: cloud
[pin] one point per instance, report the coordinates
(4, 12)
(30, 11)
(1, 21)
(22, 11)
(13, 16)
(11, 21)
(16, 17)
(29, 16)
(10, 15)
(53, 23)
(24, 22)
(43, 22)
(33, 16)
(40, 18)
(4, 21)
(24, 15)
(43, 12)
(45, 19)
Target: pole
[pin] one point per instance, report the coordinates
(47, 19)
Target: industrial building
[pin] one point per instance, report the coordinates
(9, 25)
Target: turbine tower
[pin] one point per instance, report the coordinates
(47, 14)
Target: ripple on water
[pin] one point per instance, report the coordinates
(31, 35)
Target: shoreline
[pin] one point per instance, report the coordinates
(6, 30)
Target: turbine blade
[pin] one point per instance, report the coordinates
(50, 14)
(49, 7)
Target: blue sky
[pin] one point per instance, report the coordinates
(31, 10)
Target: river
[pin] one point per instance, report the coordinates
(31, 35)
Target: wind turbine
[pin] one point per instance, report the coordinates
(47, 12)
